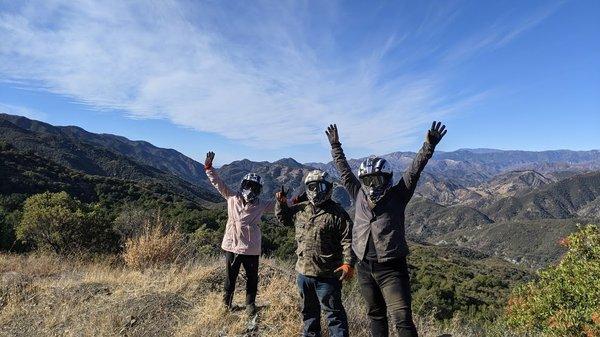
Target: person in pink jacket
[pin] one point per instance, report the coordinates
(242, 239)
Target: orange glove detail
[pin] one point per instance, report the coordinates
(347, 271)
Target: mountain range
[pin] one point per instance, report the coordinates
(514, 204)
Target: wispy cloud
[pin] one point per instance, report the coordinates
(499, 33)
(22, 111)
(267, 74)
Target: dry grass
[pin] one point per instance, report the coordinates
(49, 296)
(155, 246)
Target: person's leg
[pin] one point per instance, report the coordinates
(376, 309)
(250, 263)
(329, 291)
(393, 279)
(311, 311)
(232, 269)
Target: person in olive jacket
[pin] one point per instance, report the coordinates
(324, 238)
(378, 233)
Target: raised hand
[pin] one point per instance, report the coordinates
(210, 156)
(281, 196)
(332, 134)
(435, 134)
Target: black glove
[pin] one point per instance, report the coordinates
(332, 134)
(435, 134)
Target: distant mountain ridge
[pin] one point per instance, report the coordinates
(471, 167)
(462, 195)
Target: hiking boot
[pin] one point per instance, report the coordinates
(227, 300)
(251, 309)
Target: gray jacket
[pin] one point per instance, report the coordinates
(385, 220)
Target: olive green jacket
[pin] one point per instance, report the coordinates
(323, 236)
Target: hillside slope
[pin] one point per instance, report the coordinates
(66, 143)
(26, 173)
(559, 200)
(48, 296)
(524, 227)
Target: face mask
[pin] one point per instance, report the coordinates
(318, 192)
(376, 185)
(249, 195)
(250, 191)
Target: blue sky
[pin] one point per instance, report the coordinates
(262, 79)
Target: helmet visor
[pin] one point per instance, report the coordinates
(374, 180)
(318, 192)
(251, 185)
(316, 186)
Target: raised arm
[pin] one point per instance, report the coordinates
(349, 180)
(413, 172)
(213, 177)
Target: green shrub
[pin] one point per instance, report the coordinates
(207, 241)
(57, 222)
(565, 300)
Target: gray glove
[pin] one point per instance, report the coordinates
(435, 134)
(332, 134)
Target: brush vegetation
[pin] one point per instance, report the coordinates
(565, 299)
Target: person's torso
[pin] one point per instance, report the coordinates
(385, 223)
(242, 232)
(318, 238)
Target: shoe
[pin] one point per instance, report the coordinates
(227, 301)
(251, 309)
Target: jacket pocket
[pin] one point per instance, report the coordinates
(326, 242)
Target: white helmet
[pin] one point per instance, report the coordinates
(374, 165)
(319, 187)
(251, 187)
(252, 177)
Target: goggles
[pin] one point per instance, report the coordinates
(374, 180)
(316, 186)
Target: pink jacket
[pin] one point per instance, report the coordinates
(242, 233)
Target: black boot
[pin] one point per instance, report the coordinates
(251, 309)
(227, 300)
(250, 304)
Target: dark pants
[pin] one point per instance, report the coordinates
(318, 293)
(250, 263)
(386, 288)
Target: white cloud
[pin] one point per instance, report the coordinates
(22, 111)
(264, 74)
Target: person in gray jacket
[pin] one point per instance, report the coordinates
(378, 237)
